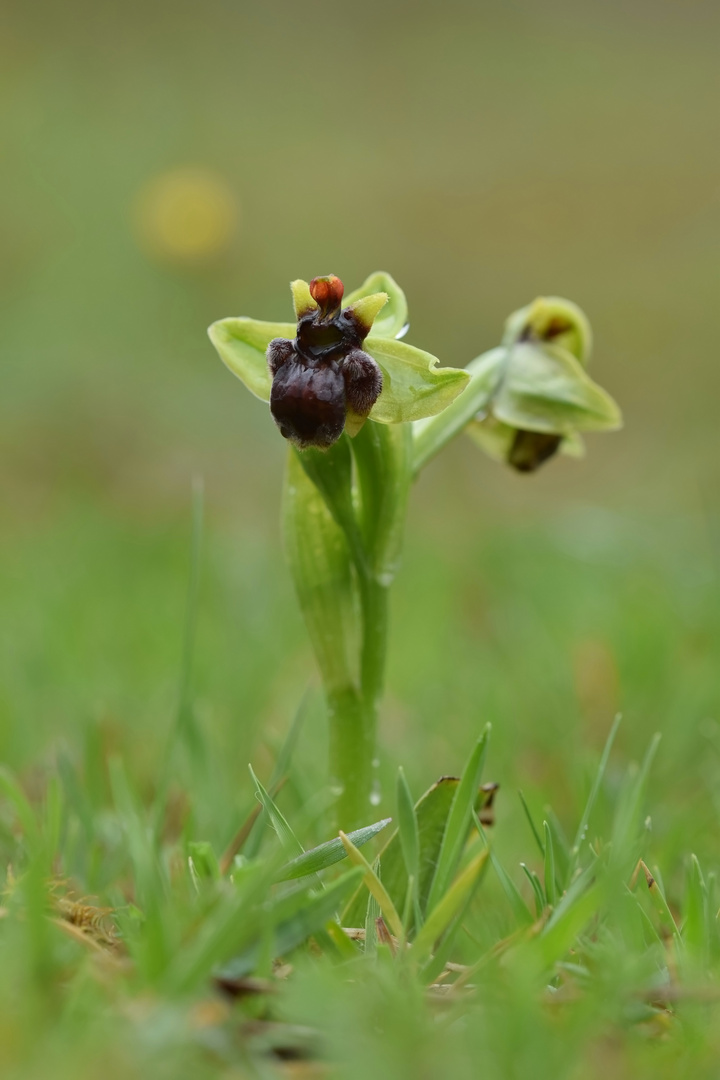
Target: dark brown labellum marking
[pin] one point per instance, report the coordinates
(530, 449)
(323, 373)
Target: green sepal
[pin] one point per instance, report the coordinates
(414, 386)
(545, 388)
(242, 345)
(395, 312)
(553, 320)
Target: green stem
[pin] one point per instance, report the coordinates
(343, 548)
(354, 716)
(374, 602)
(349, 757)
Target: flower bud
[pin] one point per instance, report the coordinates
(540, 395)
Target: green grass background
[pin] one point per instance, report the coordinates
(483, 153)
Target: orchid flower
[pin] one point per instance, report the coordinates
(339, 364)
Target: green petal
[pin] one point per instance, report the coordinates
(413, 384)
(546, 389)
(242, 344)
(573, 446)
(302, 300)
(395, 313)
(366, 308)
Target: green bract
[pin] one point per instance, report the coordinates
(414, 386)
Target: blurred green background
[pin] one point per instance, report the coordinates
(164, 165)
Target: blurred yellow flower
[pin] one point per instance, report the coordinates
(186, 215)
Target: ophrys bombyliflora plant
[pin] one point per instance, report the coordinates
(363, 412)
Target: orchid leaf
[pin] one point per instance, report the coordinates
(394, 314)
(546, 389)
(413, 384)
(317, 554)
(242, 344)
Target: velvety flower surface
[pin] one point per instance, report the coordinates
(323, 376)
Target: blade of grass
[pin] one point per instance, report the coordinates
(279, 774)
(410, 843)
(324, 855)
(520, 909)
(561, 850)
(287, 837)
(408, 827)
(310, 913)
(184, 726)
(694, 931)
(625, 826)
(575, 890)
(371, 916)
(15, 795)
(344, 947)
(594, 791)
(550, 887)
(533, 829)
(375, 886)
(458, 822)
(447, 908)
(243, 834)
(540, 901)
(662, 907)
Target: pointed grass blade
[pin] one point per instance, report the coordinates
(375, 886)
(329, 853)
(288, 839)
(447, 907)
(458, 822)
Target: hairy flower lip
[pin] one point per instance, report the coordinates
(323, 374)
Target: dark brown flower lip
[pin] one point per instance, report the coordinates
(323, 373)
(531, 449)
